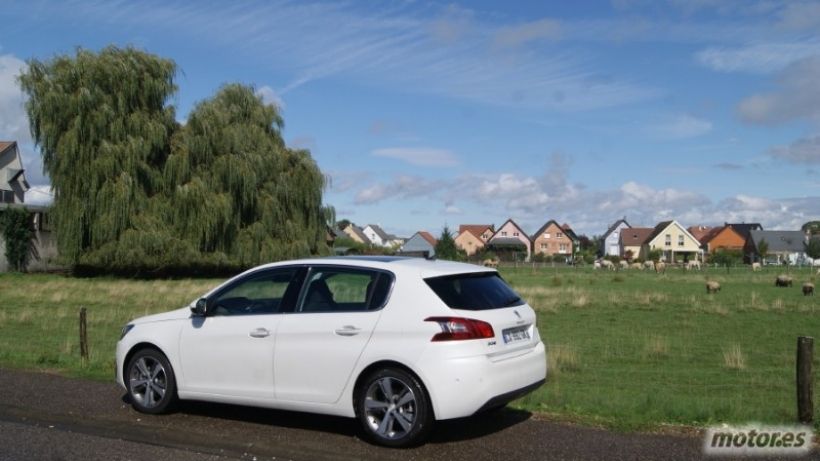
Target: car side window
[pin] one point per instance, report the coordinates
(261, 293)
(345, 290)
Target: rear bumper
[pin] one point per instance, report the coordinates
(462, 386)
(507, 397)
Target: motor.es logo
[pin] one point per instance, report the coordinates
(751, 440)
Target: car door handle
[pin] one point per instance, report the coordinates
(260, 333)
(348, 330)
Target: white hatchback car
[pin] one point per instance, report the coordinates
(395, 342)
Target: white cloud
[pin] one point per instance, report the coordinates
(757, 58)
(421, 156)
(270, 96)
(14, 124)
(13, 119)
(507, 185)
(683, 126)
(798, 96)
(532, 200)
(402, 187)
(40, 195)
(372, 194)
(803, 151)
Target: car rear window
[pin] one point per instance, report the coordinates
(474, 291)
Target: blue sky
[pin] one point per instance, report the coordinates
(426, 113)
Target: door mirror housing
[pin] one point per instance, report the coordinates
(200, 309)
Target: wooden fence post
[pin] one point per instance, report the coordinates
(805, 403)
(83, 335)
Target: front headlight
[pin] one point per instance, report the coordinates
(125, 330)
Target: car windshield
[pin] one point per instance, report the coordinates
(474, 291)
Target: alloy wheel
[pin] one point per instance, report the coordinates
(390, 407)
(149, 382)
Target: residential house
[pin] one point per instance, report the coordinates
(723, 238)
(379, 237)
(675, 243)
(13, 188)
(376, 235)
(610, 244)
(422, 244)
(576, 242)
(554, 239)
(355, 233)
(783, 246)
(745, 229)
(631, 242)
(510, 242)
(699, 232)
(473, 237)
(13, 184)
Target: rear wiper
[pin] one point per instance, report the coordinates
(513, 300)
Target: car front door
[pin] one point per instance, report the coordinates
(319, 344)
(230, 351)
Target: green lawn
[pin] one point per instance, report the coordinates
(630, 350)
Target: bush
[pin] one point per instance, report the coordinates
(539, 258)
(18, 235)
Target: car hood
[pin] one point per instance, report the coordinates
(178, 314)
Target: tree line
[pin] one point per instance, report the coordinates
(137, 192)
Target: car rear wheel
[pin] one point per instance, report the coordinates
(150, 381)
(393, 408)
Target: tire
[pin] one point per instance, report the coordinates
(150, 381)
(393, 408)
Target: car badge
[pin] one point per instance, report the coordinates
(517, 314)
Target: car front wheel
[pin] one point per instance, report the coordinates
(150, 381)
(393, 408)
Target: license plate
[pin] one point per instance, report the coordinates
(512, 335)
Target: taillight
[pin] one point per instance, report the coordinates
(458, 328)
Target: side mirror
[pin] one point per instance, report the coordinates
(200, 309)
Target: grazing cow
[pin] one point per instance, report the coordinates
(649, 265)
(808, 289)
(712, 287)
(607, 264)
(638, 266)
(623, 264)
(756, 267)
(783, 281)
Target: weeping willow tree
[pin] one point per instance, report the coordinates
(236, 189)
(102, 124)
(136, 192)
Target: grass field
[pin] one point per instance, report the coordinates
(629, 350)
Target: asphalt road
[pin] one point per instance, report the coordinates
(43, 416)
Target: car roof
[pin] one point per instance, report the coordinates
(424, 267)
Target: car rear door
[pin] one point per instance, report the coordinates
(319, 344)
